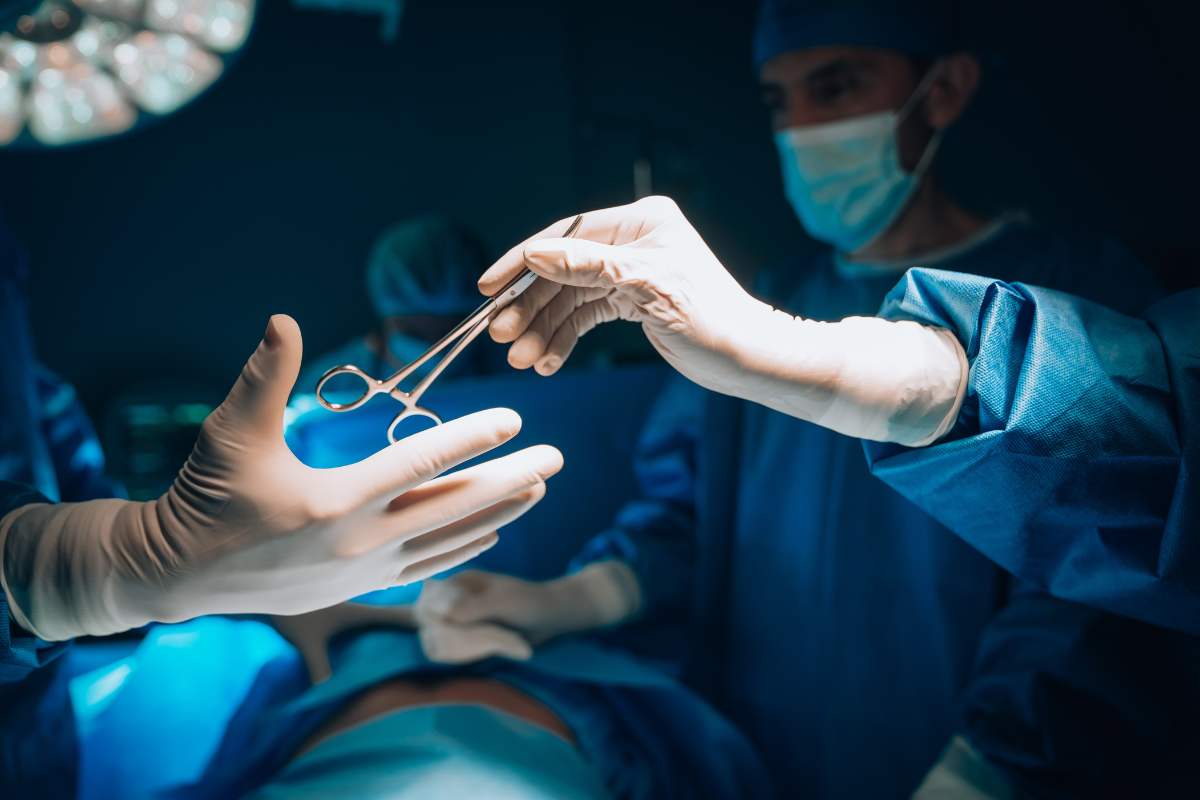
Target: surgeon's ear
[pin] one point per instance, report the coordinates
(952, 89)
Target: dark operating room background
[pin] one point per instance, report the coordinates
(157, 257)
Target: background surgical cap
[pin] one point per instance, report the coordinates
(916, 27)
(425, 265)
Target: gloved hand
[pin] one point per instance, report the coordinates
(247, 528)
(863, 376)
(311, 633)
(474, 614)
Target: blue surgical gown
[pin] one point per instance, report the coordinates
(848, 632)
(1074, 461)
(48, 450)
(46, 438)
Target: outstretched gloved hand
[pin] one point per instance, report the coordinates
(473, 614)
(247, 528)
(645, 263)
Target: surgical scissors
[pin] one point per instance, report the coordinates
(457, 340)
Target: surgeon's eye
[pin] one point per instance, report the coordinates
(830, 90)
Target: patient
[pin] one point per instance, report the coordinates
(351, 702)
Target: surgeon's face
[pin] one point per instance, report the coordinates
(827, 84)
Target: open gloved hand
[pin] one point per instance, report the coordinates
(645, 263)
(248, 528)
(473, 614)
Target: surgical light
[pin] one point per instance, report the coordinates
(77, 70)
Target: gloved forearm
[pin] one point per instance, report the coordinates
(61, 568)
(862, 376)
(601, 595)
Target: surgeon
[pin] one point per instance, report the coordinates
(851, 635)
(420, 278)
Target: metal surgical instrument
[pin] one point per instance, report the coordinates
(456, 340)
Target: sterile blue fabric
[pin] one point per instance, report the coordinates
(831, 619)
(37, 741)
(926, 28)
(1074, 460)
(24, 455)
(20, 652)
(439, 751)
(240, 705)
(46, 438)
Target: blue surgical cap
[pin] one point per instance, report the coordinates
(915, 27)
(426, 265)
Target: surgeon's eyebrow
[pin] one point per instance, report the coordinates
(838, 69)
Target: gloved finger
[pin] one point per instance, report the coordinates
(451, 498)
(472, 527)
(439, 596)
(461, 644)
(615, 225)
(567, 335)
(420, 457)
(314, 650)
(258, 398)
(583, 263)
(509, 323)
(537, 335)
(438, 564)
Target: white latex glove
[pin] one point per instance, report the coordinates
(863, 376)
(474, 614)
(311, 633)
(247, 528)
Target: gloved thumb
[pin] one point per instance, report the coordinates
(461, 598)
(257, 400)
(577, 262)
(447, 643)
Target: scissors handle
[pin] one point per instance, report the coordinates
(371, 387)
(410, 411)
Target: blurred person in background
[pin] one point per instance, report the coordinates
(420, 279)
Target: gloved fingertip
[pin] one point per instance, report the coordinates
(548, 366)
(279, 326)
(552, 460)
(515, 362)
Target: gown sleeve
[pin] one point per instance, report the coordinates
(1073, 461)
(655, 533)
(20, 651)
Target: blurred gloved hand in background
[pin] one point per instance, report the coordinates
(474, 614)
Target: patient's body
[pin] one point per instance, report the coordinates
(402, 693)
(224, 707)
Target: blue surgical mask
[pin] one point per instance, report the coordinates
(844, 179)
